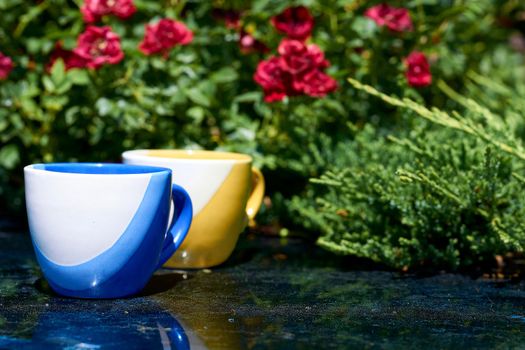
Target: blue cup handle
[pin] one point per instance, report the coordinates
(180, 225)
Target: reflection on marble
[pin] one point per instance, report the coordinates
(64, 326)
(270, 294)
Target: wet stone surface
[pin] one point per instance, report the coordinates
(270, 294)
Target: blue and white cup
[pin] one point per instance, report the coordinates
(101, 230)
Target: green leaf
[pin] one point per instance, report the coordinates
(195, 95)
(78, 76)
(252, 96)
(158, 63)
(7, 4)
(48, 84)
(260, 5)
(225, 75)
(33, 45)
(9, 156)
(64, 87)
(197, 114)
(3, 124)
(334, 105)
(365, 27)
(185, 57)
(54, 103)
(58, 72)
(29, 107)
(149, 6)
(104, 106)
(71, 115)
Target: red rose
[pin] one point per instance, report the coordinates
(300, 60)
(272, 79)
(317, 56)
(6, 65)
(298, 70)
(70, 58)
(99, 46)
(274, 96)
(295, 57)
(318, 84)
(164, 35)
(418, 70)
(93, 10)
(249, 44)
(396, 19)
(295, 22)
(231, 18)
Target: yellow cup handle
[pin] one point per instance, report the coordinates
(256, 197)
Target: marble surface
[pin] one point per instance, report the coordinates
(272, 293)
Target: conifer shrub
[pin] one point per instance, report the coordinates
(445, 194)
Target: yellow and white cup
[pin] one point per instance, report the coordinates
(226, 192)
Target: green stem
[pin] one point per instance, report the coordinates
(29, 16)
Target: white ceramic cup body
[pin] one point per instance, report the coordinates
(98, 229)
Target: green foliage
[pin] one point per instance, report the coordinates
(444, 195)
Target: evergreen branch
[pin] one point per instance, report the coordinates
(497, 226)
(489, 83)
(440, 117)
(410, 145)
(408, 176)
(518, 177)
(435, 115)
(472, 105)
(325, 243)
(326, 181)
(425, 180)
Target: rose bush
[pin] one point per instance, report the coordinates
(93, 10)
(418, 70)
(295, 22)
(98, 46)
(6, 65)
(395, 19)
(161, 37)
(298, 70)
(85, 80)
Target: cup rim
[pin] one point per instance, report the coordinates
(186, 156)
(90, 168)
